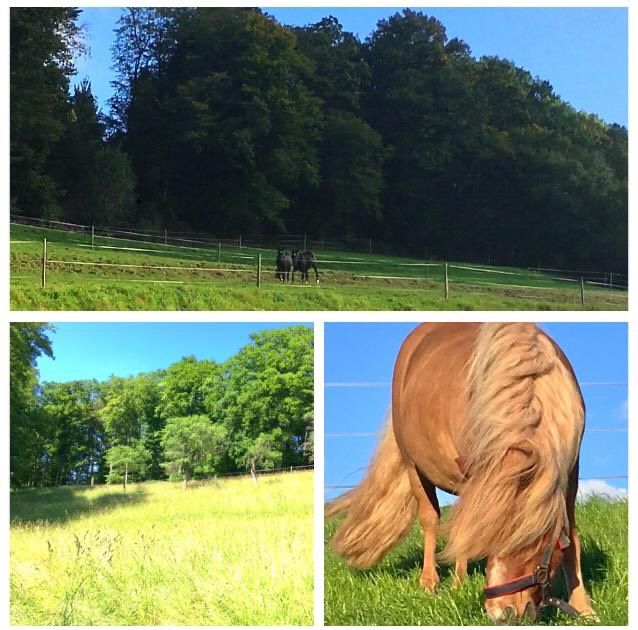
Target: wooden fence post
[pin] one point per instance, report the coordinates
(44, 263)
(370, 246)
(582, 292)
(219, 251)
(240, 241)
(447, 284)
(611, 279)
(259, 271)
(305, 246)
(165, 237)
(92, 237)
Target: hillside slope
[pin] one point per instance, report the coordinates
(225, 553)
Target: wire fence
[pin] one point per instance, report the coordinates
(204, 248)
(378, 434)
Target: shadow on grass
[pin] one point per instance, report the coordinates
(60, 505)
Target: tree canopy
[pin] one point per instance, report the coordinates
(225, 121)
(195, 418)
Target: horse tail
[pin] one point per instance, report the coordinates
(521, 437)
(379, 511)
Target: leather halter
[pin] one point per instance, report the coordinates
(540, 577)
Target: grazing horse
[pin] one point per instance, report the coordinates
(283, 264)
(491, 413)
(302, 262)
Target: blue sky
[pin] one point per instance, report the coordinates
(97, 350)
(365, 353)
(582, 52)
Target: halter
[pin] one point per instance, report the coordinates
(540, 577)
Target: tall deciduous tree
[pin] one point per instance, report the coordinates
(43, 42)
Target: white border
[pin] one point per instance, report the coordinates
(316, 317)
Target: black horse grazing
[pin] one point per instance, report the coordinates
(302, 262)
(283, 265)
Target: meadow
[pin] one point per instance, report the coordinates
(223, 553)
(120, 274)
(389, 594)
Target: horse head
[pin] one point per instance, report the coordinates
(518, 584)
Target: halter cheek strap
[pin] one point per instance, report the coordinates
(540, 577)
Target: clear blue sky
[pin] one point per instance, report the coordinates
(97, 350)
(365, 353)
(582, 52)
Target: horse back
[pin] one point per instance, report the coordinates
(430, 399)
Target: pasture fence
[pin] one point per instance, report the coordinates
(386, 384)
(166, 237)
(239, 261)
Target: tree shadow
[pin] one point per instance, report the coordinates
(60, 505)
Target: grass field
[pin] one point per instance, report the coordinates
(133, 275)
(390, 595)
(226, 553)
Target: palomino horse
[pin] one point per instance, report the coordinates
(493, 414)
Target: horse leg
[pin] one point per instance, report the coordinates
(460, 572)
(578, 597)
(429, 516)
(316, 274)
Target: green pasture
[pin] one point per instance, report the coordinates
(223, 553)
(133, 275)
(389, 594)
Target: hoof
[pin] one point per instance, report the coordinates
(429, 583)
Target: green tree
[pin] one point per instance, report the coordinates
(43, 42)
(127, 460)
(265, 397)
(192, 446)
(74, 448)
(27, 423)
(183, 387)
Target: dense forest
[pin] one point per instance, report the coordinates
(225, 121)
(192, 419)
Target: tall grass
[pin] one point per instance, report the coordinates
(390, 595)
(226, 553)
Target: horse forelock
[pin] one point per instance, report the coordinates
(521, 437)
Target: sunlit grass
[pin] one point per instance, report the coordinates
(390, 595)
(195, 280)
(226, 553)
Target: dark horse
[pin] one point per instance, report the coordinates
(302, 262)
(283, 265)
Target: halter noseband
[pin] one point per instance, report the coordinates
(540, 577)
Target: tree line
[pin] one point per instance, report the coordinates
(195, 418)
(225, 121)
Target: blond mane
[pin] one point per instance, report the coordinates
(521, 439)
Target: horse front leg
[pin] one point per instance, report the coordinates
(577, 594)
(429, 517)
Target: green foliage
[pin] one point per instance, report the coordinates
(28, 423)
(184, 421)
(43, 42)
(184, 387)
(225, 121)
(265, 395)
(127, 462)
(193, 446)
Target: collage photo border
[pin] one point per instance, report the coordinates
(319, 318)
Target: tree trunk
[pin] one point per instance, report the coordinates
(125, 475)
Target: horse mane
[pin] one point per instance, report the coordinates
(520, 441)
